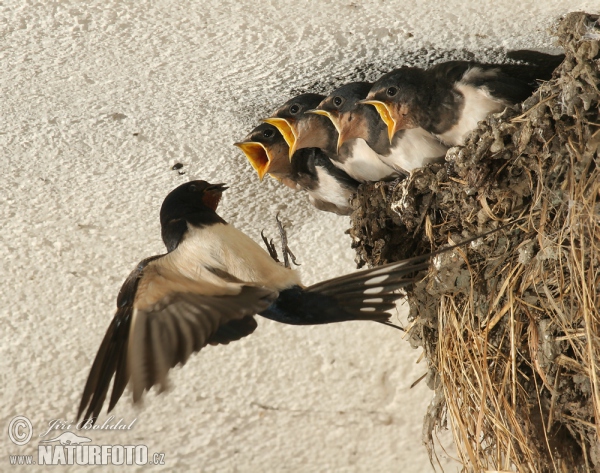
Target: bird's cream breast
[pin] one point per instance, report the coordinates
(222, 246)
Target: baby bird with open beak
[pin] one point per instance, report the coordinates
(267, 152)
(309, 169)
(364, 146)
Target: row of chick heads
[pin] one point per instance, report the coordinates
(365, 132)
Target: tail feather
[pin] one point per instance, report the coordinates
(364, 295)
(379, 280)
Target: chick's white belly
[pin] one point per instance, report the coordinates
(415, 149)
(365, 164)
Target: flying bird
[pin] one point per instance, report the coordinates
(451, 98)
(206, 290)
(308, 169)
(363, 142)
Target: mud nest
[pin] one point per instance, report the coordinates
(509, 324)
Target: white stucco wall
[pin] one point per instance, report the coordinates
(79, 201)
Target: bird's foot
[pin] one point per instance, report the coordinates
(287, 253)
(270, 246)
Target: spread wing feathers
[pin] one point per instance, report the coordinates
(166, 334)
(110, 359)
(168, 308)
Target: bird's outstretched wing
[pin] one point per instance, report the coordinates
(162, 318)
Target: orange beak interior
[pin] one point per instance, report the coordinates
(258, 156)
(386, 115)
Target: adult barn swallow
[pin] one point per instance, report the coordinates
(363, 136)
(206, 289)
(309, 169)
(451, 98)
(302, 129)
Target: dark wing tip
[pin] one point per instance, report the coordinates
(108, 363)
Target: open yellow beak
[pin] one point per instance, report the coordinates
(258, 155)
(286, 129)
(325, 113)
(386, 115)
(334, 119)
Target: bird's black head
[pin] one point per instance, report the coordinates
(345, 98)
(406, 85)
(267, 150)
(194, 202)
(301, 129)
(352, 119)
(266, 134)
(294, 108)
(401, 97)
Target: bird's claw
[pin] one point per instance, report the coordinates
(270, 246)
(287, 253)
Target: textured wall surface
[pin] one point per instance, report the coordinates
(99, 100)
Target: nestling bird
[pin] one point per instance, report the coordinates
(268, 153)
(206, 289)
(451, 98)
(309, 169)
(302, 129)
(363, 141)
(329, 188)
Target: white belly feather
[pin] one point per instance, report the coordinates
(477, 106)
(365, 164)
(330, 190)
(224, 247)
(415, 149)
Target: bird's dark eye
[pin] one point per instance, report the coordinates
(192, 188)
(391, 91)
(268, 133)
(294, 109)
(337, 101)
